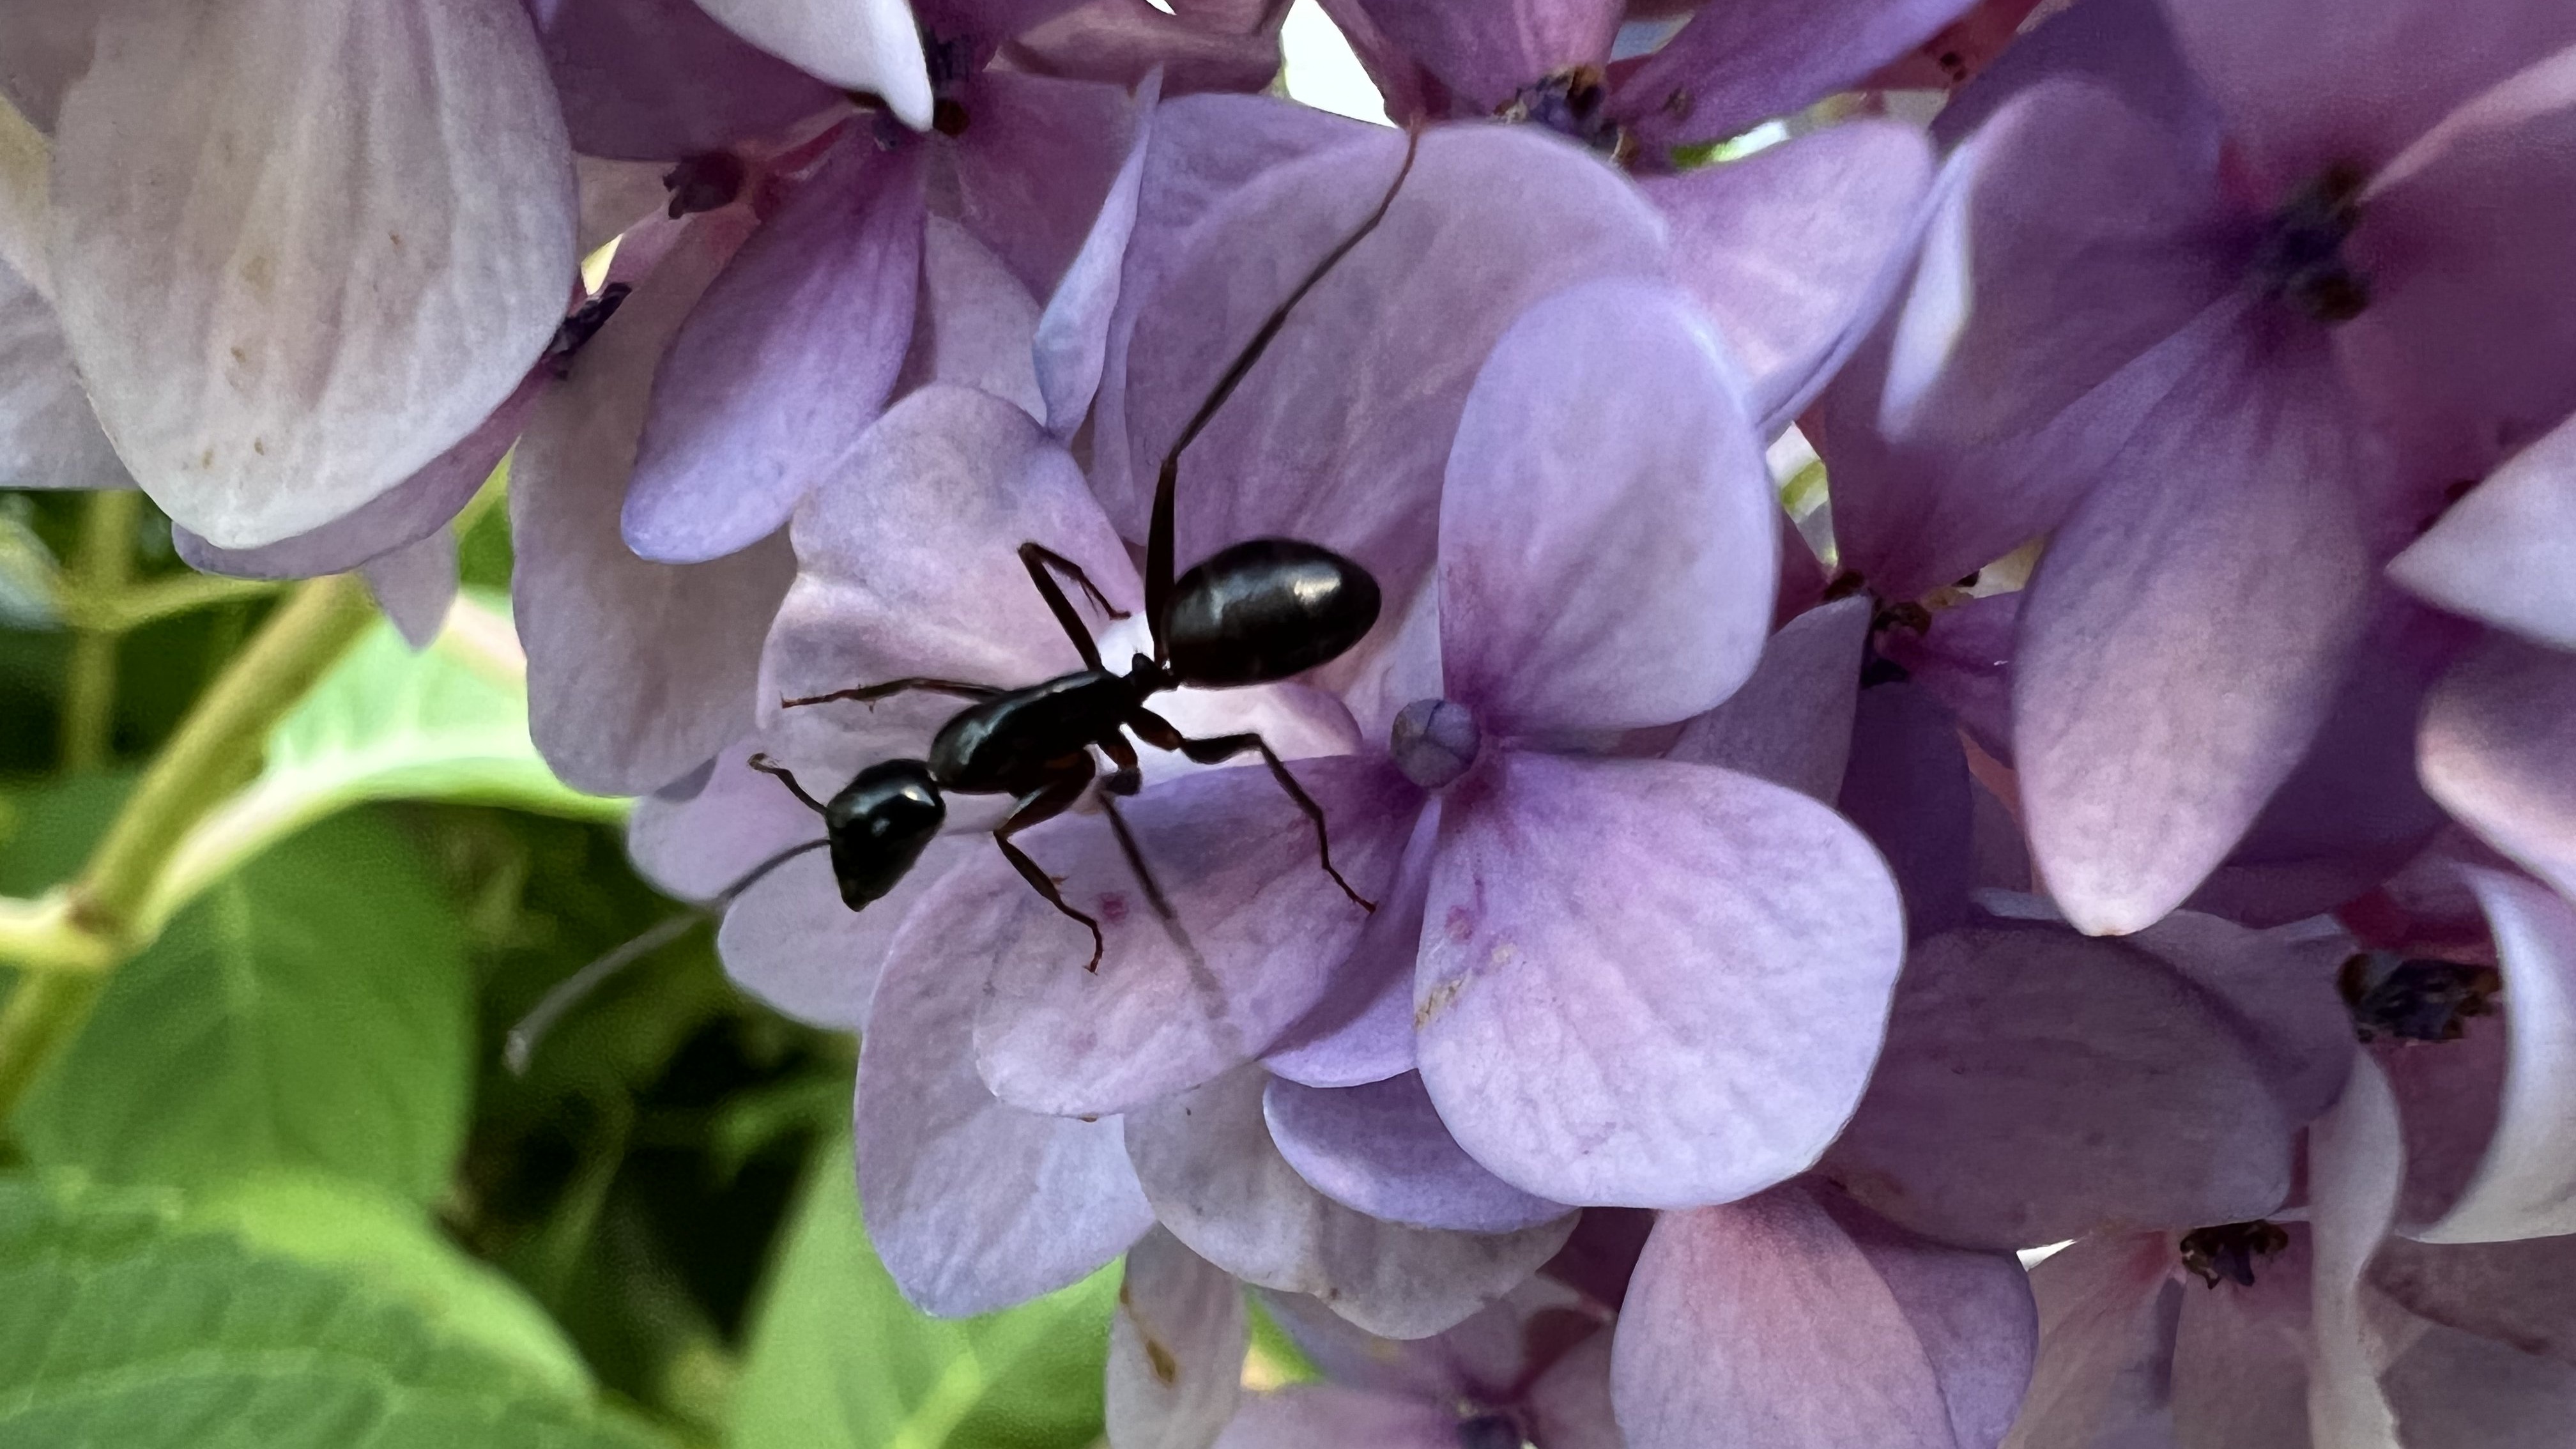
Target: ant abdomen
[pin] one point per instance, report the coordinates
(1263, 610)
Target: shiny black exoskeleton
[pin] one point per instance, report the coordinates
(1256, 612)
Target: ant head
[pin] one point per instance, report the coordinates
(1264, 610)
(877, 826)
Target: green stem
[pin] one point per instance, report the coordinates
(99, 570)
(43, 1013)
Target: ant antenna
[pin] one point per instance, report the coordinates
(767, 766)
(519, 1048)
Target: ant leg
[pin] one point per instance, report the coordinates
(1136, 861)
(1039, 559)
(1161, 733)
(1045, 803)
(871, 693)
(767, 766)
(1158, 536)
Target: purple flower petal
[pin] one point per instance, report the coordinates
(49, 438)
(2175, 661)
(637, 672)
(1033, 164)
(1220, 1185)
(2106, 1318)
(1123, 41)
(859, 45)
(1743, 61)
(1791, 722)
(44, 47)
(282, 327)
(2240, 1357)
(1964, 660)
(1267, 929)
(2038, 1085)
(1786, 247)
(973, 1205)
(1570, 1405)
(1072, 340)
(2498, 749)
(1175, 1348)
(2518, 1292)
(699, 835)
(1908, 790)
(1381, 1148)
(1362, 1031)
(791, 942)
(1782, 1323)
(975, 324)
(1484, 52)
(784, 362)
(658, 80)
(1605, 429)
(1342, 433)
(2506, 553)
(2356, 1162)
(1302, 1416)
(1649, 983)
(414, 585)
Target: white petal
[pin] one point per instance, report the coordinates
(866, 45)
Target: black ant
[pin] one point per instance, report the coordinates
(1256, 612)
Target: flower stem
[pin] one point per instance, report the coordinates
(99, 570)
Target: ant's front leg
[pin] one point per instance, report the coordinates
(871, 693)
(1162, 734)
(1038, 559)
(1046, 802)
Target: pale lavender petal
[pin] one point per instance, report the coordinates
(2449, 1102)
(414, 585)
(2107, 1311)
(2356, 1162)
(1033, 164)
(2175, 661)
(281, 327)
(784, 362)
(1908, 790)
(1302, 1416)
(790, 940)
(44, 47)
(1483, 52)
(1175, 1349)
(1123, 41)
(1791, 722)
(2241, 1356)
(1219, 1184)
(973, 1205)
(1072, 340)
(1381, 1148)
(2498, 749)
(417, 508)
(1581, 907)
(617, 196)
(1786, 248)
(859, 45)
(49, 438)
(1363, 1031)
(1964, 660)
(1749, 60)
(2521, 1293)
(1341, 435)
(1771, 1322)
(2038, 1085)
(2526, 1185)
(975, 324)
(2454, 1390)
(1607, 544)
(2506, 553)
(1267, 929)
(637, 672)
(698, 835)
(658, 80)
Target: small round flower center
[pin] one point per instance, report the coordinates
(1434, 741)
(2415, 1000)
(1569, 102)
(2230, 1250)
(2300, 257)
(1490, 1431)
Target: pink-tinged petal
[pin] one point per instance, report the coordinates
(1791, 721)
(2520, 1293)
(975, 325)
(2038, 1085)
(2241, 1356)
(1072, 340)
(1175, 1349)
(1581, 908)
(1749, 60)
(1413, 94)
(2526, 1186)
(1033, 164)
(1484, 52)
(2072, 235)
(858, 45)
(417, 508)
(2506, 553)
(1957, 51)
(658, 80)
(637, 672)
(1605, 429)
(1964, 660)
(2356, 1162)
(2448, 1104)
(1342, 432)
(414, 585)
(1381, 1149)
(1219, 1184)
(2124, 46)
(1123, 41)
(1908, 790)
(1302, 1416)
(1781, 1322)
(44, 47)
(1789, 248)
(910, 567)
(1363, 1031)
(784, 362)
(2107, 1307)
(2454, 1390)
(283, 310)
(2314, 83)
(49, 438)
(2175, 658)
(2498, 749)
(1267, 933)
(973, 1205)
(1570, 1405)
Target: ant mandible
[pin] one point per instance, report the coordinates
(1254, 613)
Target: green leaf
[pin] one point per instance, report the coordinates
(839, 1361)
(313, 1010)
(447, 723)
(127, 1321)
(46, 830)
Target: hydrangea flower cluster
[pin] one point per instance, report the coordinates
(2131, 805)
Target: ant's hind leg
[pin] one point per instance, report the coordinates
(871, 693)
(1038, 558)
(1045, 803)
(1217, 749)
